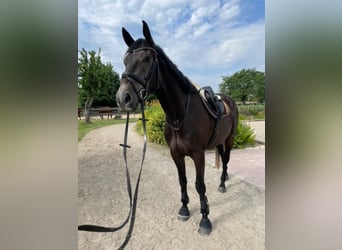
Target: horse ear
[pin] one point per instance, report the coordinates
(147, 33)
(127, 37)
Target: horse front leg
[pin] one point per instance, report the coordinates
(183, 213)
(205, 224)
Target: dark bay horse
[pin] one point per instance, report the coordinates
(189, 126)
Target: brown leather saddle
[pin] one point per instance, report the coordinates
(213, 103)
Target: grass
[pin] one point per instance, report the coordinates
(251, 112)
(84, 128)
(259, 116)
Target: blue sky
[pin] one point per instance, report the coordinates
(206, 39)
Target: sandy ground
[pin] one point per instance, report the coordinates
(238, 216)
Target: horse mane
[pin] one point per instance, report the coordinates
(183, 82)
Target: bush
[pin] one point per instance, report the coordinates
(244, 136)
(156, 123)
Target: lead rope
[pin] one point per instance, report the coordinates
(135, 199)
(133, 203)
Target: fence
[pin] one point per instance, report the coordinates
(101, 112)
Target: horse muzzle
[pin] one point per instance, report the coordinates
(126, 98)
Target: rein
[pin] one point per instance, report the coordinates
(133, 202)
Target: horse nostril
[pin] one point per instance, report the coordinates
(127, 98)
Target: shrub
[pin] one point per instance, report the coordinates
(156, 123)
(244, 136)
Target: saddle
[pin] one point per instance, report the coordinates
(215, 106)
(213, 103)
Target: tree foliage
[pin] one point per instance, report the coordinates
(96, 81)
(245, 85)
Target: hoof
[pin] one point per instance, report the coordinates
(183, 213)
(222, 189)
(205, 226)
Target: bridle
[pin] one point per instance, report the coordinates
(142, 94)
(146, 82)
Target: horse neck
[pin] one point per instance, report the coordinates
(171, 97)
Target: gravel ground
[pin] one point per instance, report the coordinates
(238, 216)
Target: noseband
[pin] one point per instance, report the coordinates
(145, 83)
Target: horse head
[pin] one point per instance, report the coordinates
(141, 73)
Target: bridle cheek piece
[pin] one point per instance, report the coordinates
(143, 92)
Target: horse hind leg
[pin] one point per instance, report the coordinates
(224, 176)
(225, 156)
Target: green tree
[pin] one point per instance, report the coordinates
(96, 80)
(245, 85)
(260, 87)
(109, 85)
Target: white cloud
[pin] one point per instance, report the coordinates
(201, 13)
(204, 38)
(230, 10)
(163, 5)
(202, 29)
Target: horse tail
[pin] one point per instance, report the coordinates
(217, 159)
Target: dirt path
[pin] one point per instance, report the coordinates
(238, 216)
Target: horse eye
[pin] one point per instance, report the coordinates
(147, 59)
